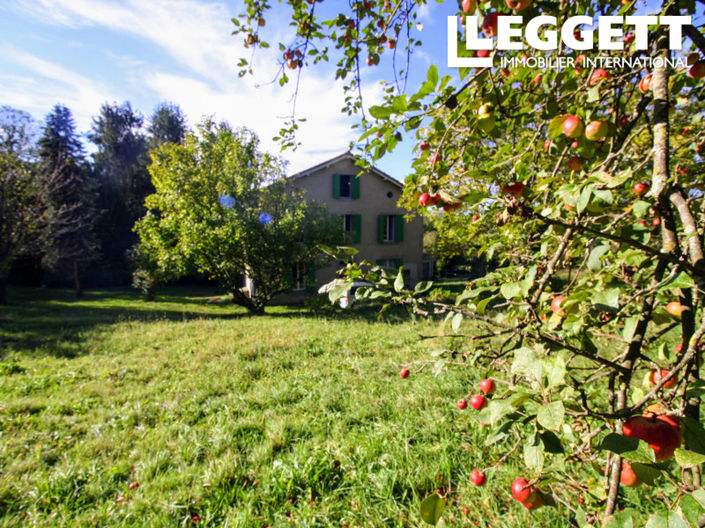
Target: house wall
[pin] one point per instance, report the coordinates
(377, 196)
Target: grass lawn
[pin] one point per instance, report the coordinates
(223, 419)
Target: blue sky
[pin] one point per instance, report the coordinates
(83, 53)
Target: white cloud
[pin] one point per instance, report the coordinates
(197, 36)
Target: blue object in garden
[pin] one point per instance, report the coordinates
(226, 201)
(265, 218)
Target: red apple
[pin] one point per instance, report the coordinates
(478, 402)
(547, 145)
(662, 433)
(424, 200)
(656, 376)
(505, 73)
(692, 58)
(596, 130)
(462, 404)
(628, 39)
(434, 158)
(574, 144)
(535, 502)
(627, 477)
(518, 5)
(645, 84)
(514, 188)
(391, 43)
(487, 386)
(623, 121)
(475, 218)
(469, 6)
(370, 61)
(575, 164)
(293, 64)
(597, 76)
(435, 199)
(478, 477)
(424, 145)
(556, 304)
(573, 127)
(656, 222)
(404, 373)
(640, 188)
(697, 70)
(483, 53)
(489, 24)
(521, 490)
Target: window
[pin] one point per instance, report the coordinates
(391, 228)
(299, 276)
(346, 186)
(352, 225)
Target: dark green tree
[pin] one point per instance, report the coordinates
(17, 189)
(167, 125)
(68, 194)
(121, 168)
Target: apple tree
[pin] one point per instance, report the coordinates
(221, 207)
(584, 183)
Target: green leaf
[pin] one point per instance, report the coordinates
(551, 415)
(666, 520)
(555, 127)
(593, 94)
(632, 449)
(692, 510)
(682, 280)
(555, 370)
(594, 263)
(432, 75)
(526, 363)
(693, 434)
(551, 443)
(399, 281)
(455, 323)
(646, 472)
(688, 459)
(629, 327)
(641, 208)
(606, 299)
(534, 457)
(380, 112)
(510, 290)
(624, 519)
(584, 199)
(432, 508)
(423, 287)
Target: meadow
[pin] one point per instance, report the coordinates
(118, 412)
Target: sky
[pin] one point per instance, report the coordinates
(84, 53)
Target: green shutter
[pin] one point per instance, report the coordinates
(310, 275)
(380, 228)
(355, 187)
(336, 185)
(357, 229)
(400, 228)
(289, 277)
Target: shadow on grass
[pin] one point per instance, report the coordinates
(54, 322)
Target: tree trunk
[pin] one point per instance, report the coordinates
(3, 290)
(76, 280)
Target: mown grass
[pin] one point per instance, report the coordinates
(223, 419)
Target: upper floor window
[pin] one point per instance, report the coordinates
(346, 186)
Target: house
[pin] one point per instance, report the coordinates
(367, 205)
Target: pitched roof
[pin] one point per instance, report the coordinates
(345, 156)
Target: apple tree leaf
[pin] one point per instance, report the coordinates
(693, 434)
(646, 472)
(456, 321)
(551, 443)
(534, 457)
(551, 415)
(691, 509)
(632, 449)
(432, 508)
(623, 519)
(688, 459)
(555, 127)
(666, 520)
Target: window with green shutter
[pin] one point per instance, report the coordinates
(391, 228)
(336, 185)
(356, 187)
(357, 228)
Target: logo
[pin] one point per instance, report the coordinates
(542, 33)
